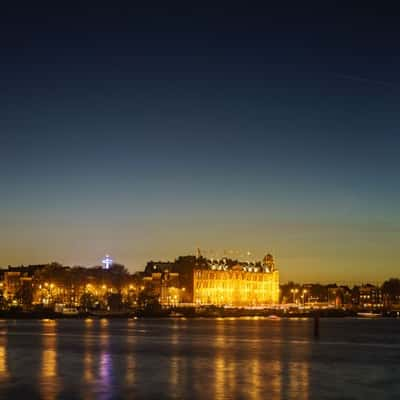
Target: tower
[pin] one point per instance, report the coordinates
(269, 263)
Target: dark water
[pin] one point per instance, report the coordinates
(200, 359)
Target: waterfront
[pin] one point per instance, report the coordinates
(204, 358)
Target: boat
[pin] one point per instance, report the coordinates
(110, 314)
(70, 311)
(66, 311)
(273, 316)
(176, 314)
(368, 315)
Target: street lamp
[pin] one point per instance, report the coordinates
(294, 291)
(304, 296)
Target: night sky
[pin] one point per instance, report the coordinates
(145, 133)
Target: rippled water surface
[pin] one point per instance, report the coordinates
(200, 359)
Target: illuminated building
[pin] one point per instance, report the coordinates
(166, 286)
(17, 286)
(240, 285)
(370, 297)
(339, 296)
(170, 291)
(12, 284)
(152, 283)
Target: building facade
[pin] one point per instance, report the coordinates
(166, 287)
(370, 297)
(237, 286)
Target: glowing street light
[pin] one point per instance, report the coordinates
(294, 291)
(304, 296)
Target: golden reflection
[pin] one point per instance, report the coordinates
(3, 358)
(255, 378)
(231, 377)
(174, 374)
(299, 380)
(104, 322)
(220, 366)
(104, 336)
(50, 385)
(49, 356)
(88, 356)
(220, 339)
(177, 370)
(275, 366)
(49, 362)
(177, 376)
(276, 371)
(175, 333)
(276, 379)
(220, 362)
(130, 369)
(255, 371)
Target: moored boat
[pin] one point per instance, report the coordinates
(70, 311)
(368, 315)
(273, 316)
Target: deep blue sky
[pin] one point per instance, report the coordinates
(149, 132)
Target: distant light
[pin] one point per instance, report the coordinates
(107, 262)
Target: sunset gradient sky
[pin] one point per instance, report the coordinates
(147, 133)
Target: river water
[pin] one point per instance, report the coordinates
(199, 359)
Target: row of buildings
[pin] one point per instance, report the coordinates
(363, 296)
(187, 281)
(54, 284)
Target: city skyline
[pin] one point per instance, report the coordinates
(219, 258)
(146, 134)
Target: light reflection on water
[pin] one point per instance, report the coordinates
(3, 358)
(220, 363)
(105, 364)
(130, 368)
(198, 359)
(49, 381)
(298, 373)
(88, 355)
